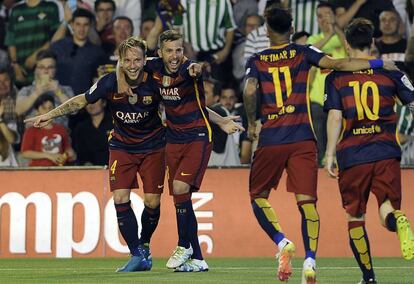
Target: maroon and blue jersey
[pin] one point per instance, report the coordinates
(366, 99)
(184, 101)
(282, 73)
(137, 123)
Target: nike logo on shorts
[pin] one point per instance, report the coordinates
(184, 174)
(160, 186)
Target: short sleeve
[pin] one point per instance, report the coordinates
(100, 90)
(405, 89)
(251, 68)
(332, 96)
(313, 55)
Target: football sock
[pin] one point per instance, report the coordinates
(267, 219)
(193, 234)
(182, 211)
(310, 227)
(391, 220)
(128, 226)
(358, 239)
(149, 221)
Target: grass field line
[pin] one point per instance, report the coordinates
(211, 268)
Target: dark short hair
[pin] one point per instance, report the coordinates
(359, 33)
(300, 34)
(278, 20)
(125, 18)
(169, 35)
(324, 4)
(275, 3)
(83, 13)
(44, 97)
(132, 42)
(97, 2)
(47, 53)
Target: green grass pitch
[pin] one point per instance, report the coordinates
(222, 270)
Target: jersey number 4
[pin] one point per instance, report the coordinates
(361, 99)
(275, 71)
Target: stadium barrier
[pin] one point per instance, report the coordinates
(69, 213)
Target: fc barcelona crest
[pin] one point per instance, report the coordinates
(146, 100)
(166, 81)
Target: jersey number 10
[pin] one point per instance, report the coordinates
(361, 99)
(275, 71)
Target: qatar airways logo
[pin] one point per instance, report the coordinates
(170, 94)
(132, 117)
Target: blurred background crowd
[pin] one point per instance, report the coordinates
(51, 50)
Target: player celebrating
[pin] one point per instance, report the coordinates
(286, 139)
(136, 144)
(368, 153)
(189, 138)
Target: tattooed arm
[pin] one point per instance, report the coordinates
(249, 96)
(70, 106)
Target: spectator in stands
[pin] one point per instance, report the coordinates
(90, 139)
(122, 29)
(8, 125)
(346, 10)
(131, 9)
(391, 46)
(257, 40)
(44, 81)
(330, 40)
(252, 22)
(77, 58)
(212, 44)
(104, 14)
(146, 26)
(31, 26)
(241, 9)
(303, 11)
(228, 154)
(50, 145)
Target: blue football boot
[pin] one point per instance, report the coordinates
(136, 263)
(147, 254)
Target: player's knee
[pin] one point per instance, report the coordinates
(180, 187)
(152, 201)
(264, 194)
(120, 196)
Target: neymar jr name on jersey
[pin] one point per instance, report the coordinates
(285, 54)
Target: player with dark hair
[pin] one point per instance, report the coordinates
(136, 145)
(189, 141)
(280, 76)
(360, 106)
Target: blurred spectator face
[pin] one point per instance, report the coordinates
(146, 27)
(252, 23)
(122, 30)
(172, 54)
(81, 26)
(325, 16)
(133, 62)
(389, 23)
(5, 84)
(45, 69)
(96, 108)
(228, 99)
(105, 13)
(45, 107)
(209, 93)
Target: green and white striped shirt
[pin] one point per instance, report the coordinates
(205, 23)
(304, 15)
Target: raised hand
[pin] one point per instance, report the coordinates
(229, 125)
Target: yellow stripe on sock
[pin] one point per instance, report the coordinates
(270, 214)
(312, 224)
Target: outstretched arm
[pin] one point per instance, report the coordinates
(354, 64)
(70, 106)
(250, 100)
(227, 123)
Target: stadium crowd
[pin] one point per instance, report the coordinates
(51, 50)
